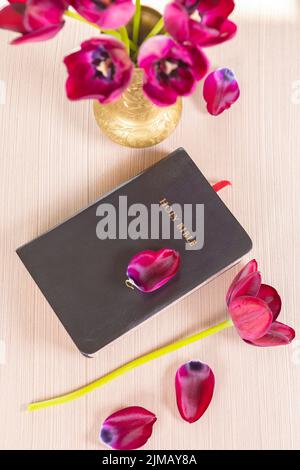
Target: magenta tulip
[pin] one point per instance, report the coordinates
(170, 69)
(100, 70)
(127, 429)
(108, 14)
(194, 384)
(150, 270)
(35, 20)
(211, 27)
(254, 308)
(220, 91)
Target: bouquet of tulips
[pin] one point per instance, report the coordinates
(171, 56)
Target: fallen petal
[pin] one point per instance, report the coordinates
(250, 267)
(127, 429)
(272, 298)
(220, 91)
(150, 270)
(194, 384)
(251, 316)
(278, 335)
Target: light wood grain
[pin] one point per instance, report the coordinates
(54, 161)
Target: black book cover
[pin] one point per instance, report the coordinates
(83, 277)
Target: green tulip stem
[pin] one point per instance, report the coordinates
(130, 366)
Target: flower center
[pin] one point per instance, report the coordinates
(166, 68)
(103, 65)
(103, 4)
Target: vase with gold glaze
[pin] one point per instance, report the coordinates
(133, 120)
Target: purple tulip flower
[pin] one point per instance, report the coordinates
(100, 70)
(170, 69)
(108, 14)
(35, 20)
(211, 27)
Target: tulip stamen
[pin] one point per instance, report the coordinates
(167, 68)
(104, 66)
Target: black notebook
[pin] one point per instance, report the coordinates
(80, 265)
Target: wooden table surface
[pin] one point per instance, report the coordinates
(54, 161)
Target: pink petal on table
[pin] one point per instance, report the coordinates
(278, 335)
(272, 298)
(194, 384)
(249, 268)
(220, 90)
(248, 285)
(127, 429)
(251, 316)
(150, 270)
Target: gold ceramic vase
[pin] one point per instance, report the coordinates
(133, 120)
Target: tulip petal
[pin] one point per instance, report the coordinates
(177, 22)
(108, 14)
(150, 270)
(12, 19)
(200, 61)
(215, 8)
(194, 383)
(220, 90)
(127, 429)
(249, 268)
(248, 285)
(39, 15)
(42, 34)
(206, 35)
(278, 335)
(251, 316)
(272, 298)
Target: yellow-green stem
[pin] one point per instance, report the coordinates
(136, 22)
(112, 32)
(156, 29)
(125, 38)
(129, 366)
(75, 16)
